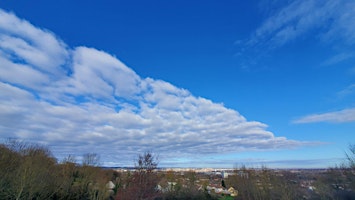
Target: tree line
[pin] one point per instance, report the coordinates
(30, 171)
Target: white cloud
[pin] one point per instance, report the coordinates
(338, 58)
(342, 116)
(108, 74)
(348, 91)
(327, 23)
(22, 42)
(333, 20)
(105, 107)
(21, 73)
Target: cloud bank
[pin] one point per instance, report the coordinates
(78, 100)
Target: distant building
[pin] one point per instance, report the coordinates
(224, 174)
(217, 190)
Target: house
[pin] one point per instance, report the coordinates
(217, 190)
(233, 192)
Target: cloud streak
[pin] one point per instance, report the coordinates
(329, 22)
(84, 100)
(342, 116)
(331, 19)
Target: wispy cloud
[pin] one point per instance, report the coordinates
(20, 41)
(332, 20)
(348, 91)
(329, 22)
(82, 100)
(342, 116)
(338, 58)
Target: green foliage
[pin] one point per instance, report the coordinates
(226, 198)
(188, 195)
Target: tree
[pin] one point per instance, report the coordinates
(146, 163)
(350, 156)
(142, 184)
(223, 183)
(67, 171)
(349, 170)
(91, 159)
(191, 176)
(90, 180)
(9, 162)
(29, 171)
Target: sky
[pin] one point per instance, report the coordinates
(199, 83)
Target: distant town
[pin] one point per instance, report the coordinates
(29, 171)
(228, 181)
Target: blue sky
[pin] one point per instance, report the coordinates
(201, 83)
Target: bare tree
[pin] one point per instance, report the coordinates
(146, 162)
(91, 159)
(350, 156)
(143, 182)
